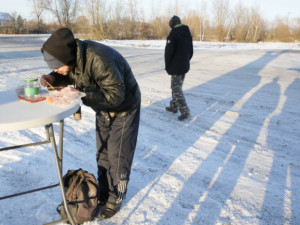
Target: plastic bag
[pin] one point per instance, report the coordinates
(65, 96)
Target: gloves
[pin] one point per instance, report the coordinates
(45, 80)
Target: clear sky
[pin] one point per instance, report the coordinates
(269, 9)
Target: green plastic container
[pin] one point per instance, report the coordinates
(31, 88)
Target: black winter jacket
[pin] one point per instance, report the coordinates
(104, 76)
(178, 50)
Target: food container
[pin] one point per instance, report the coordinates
(31, 88)
(55, 88)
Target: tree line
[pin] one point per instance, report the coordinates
(123, 19)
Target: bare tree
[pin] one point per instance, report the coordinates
(282, 31)
(122, 19)
(255, 30)
(174, 9)
(105, 17)
(64, 10)
(16, 24)
(115, 21)
(38, 8)
(221, 12)
(133, 20)
(97, 13)
(297, 29)
(242, 22)
(159, 22)
(160, 27)
(82, 27)
(229, 33)
(193, 21)
(203, 21)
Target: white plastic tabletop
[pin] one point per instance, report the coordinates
(20, 115)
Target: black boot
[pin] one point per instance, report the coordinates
(171, 109)
(102, 186)
(184, 116)
(110, 210)
(102, 200)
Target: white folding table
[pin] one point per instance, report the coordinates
(19, 115)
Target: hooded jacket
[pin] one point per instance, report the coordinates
(62, 46)
(178, 50)
(101, 73)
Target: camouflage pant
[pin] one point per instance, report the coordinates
(178, 100)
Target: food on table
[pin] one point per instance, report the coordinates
(66, 95)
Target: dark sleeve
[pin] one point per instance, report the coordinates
(111, 91)
(192, 49)
(60, 80)
(191, 46)
(169, 49)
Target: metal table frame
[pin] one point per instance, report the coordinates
(50, 138)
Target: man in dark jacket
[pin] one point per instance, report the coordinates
(178, 53)
(113, 93)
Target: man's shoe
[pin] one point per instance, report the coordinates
(109, 210)
(184, 116)
(171, 109)
(102, 201)
(102, 198)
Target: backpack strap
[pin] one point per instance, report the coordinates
(69, 175)
(85, 191)
(58, 208)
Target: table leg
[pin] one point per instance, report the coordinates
(61, 139)
(58, 160)
(31, 144)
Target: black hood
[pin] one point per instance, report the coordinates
(62, 46)
(182, 30)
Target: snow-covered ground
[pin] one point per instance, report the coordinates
(236, 161)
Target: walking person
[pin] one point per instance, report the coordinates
(113, 93)
(178, 53)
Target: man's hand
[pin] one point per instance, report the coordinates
(45, 79)
(77, 115)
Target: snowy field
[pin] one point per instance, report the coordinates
(236, 161)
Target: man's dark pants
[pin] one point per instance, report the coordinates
(116, 142)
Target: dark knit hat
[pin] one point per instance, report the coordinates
(62, 46)
(52, 62)
(174, 21)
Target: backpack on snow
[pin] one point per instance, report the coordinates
(81, 192)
